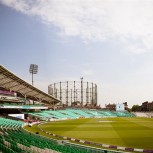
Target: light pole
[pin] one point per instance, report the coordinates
(33, 70)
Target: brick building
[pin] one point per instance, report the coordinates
(147, 106)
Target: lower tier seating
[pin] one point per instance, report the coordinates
(13, 139)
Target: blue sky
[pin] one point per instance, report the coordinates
(108, 42)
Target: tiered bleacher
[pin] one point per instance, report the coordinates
(78, 113)
(15, 140)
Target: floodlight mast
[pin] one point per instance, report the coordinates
(33, 70)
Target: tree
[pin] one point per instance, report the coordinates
(135, 108)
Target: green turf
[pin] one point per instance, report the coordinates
(127, 132)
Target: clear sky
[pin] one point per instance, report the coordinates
(108, 42)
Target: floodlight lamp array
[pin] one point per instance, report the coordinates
(33, 69)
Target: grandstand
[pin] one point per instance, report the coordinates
(14, 140)
(77, 113)
(22, 104)
(20, 87)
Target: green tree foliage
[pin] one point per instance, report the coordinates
(135, 108)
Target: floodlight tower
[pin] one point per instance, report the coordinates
(33, 70)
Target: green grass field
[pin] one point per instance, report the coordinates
(127, 132)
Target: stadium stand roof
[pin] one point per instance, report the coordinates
(11, 82)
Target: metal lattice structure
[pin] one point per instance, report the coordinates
(74, 91)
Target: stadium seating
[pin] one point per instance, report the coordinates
(78, 113)
(15, 140)
(9, 124)
(69, 114)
